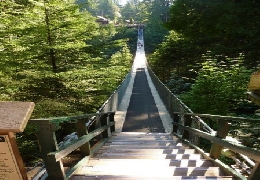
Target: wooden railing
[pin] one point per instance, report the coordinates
(192, 128)
(183, 129)
(92, 132)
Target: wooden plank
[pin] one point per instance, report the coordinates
(217, 117)
(251, 153)
(167, 142)
(150, 171)
(147, 156)
(180, 146)
(222, 132)
(75, 168)
(82, 131)
(150, 151)
(15, 115)
(123, 177)
(228, 170)
(65, 150)
(48, 143)
(151, 162)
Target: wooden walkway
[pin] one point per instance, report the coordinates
(143, 147)
(137, 155)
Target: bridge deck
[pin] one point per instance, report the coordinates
(143, 148)
(141, 109)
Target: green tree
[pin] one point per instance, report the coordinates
(223, 27)
(129, 11)
(154, 31)
(219, 87)
(175, 54)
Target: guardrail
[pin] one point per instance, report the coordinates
(92, 132)
(219, 140)
(192, 128)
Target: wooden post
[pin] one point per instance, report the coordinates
(176, 119)
(255, 174)
(81, 131)
(111, 118)
(104, 121)
(48, 143)
(222, 132)
(187, 122)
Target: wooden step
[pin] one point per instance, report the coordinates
(141, 134)
(151, 156)
(151, 171)
(111, 177)
(147, 156)
(118, 138)
(145, 146)
(150, 162)
(146, 151)
(144, 137)
(142, 141)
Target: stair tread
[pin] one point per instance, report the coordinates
(148, 146)
(145, 151)
(150, 162)
(149, 156)
(151, 171)
(112, 177)
(134, 155)
(142, 140)
(141, 134)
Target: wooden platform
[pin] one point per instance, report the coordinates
(148, 156)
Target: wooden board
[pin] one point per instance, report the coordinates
(14, 115)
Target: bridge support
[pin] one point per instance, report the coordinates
(187, 122)
(47, 142)
(82, 130)
(223, 127)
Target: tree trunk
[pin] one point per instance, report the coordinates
(50, 41)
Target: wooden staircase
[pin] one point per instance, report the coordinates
(130, 155)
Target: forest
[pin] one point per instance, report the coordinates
(56, 54)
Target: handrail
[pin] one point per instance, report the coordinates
(172, 102)
(188, 126)
(52, 155)
(217, 117)
(219, 140)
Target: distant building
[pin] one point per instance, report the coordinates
(102, 20)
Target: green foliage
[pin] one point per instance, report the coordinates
(154, 31)
(223, 27)
(47, 57)
(178, 85)
(175, 54)
(219, 88)
(28, 145)
(78, 91)
(106, 8)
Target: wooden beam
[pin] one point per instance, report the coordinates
(251, 153)
(65, 150)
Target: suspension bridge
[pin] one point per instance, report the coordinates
(143, 131)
